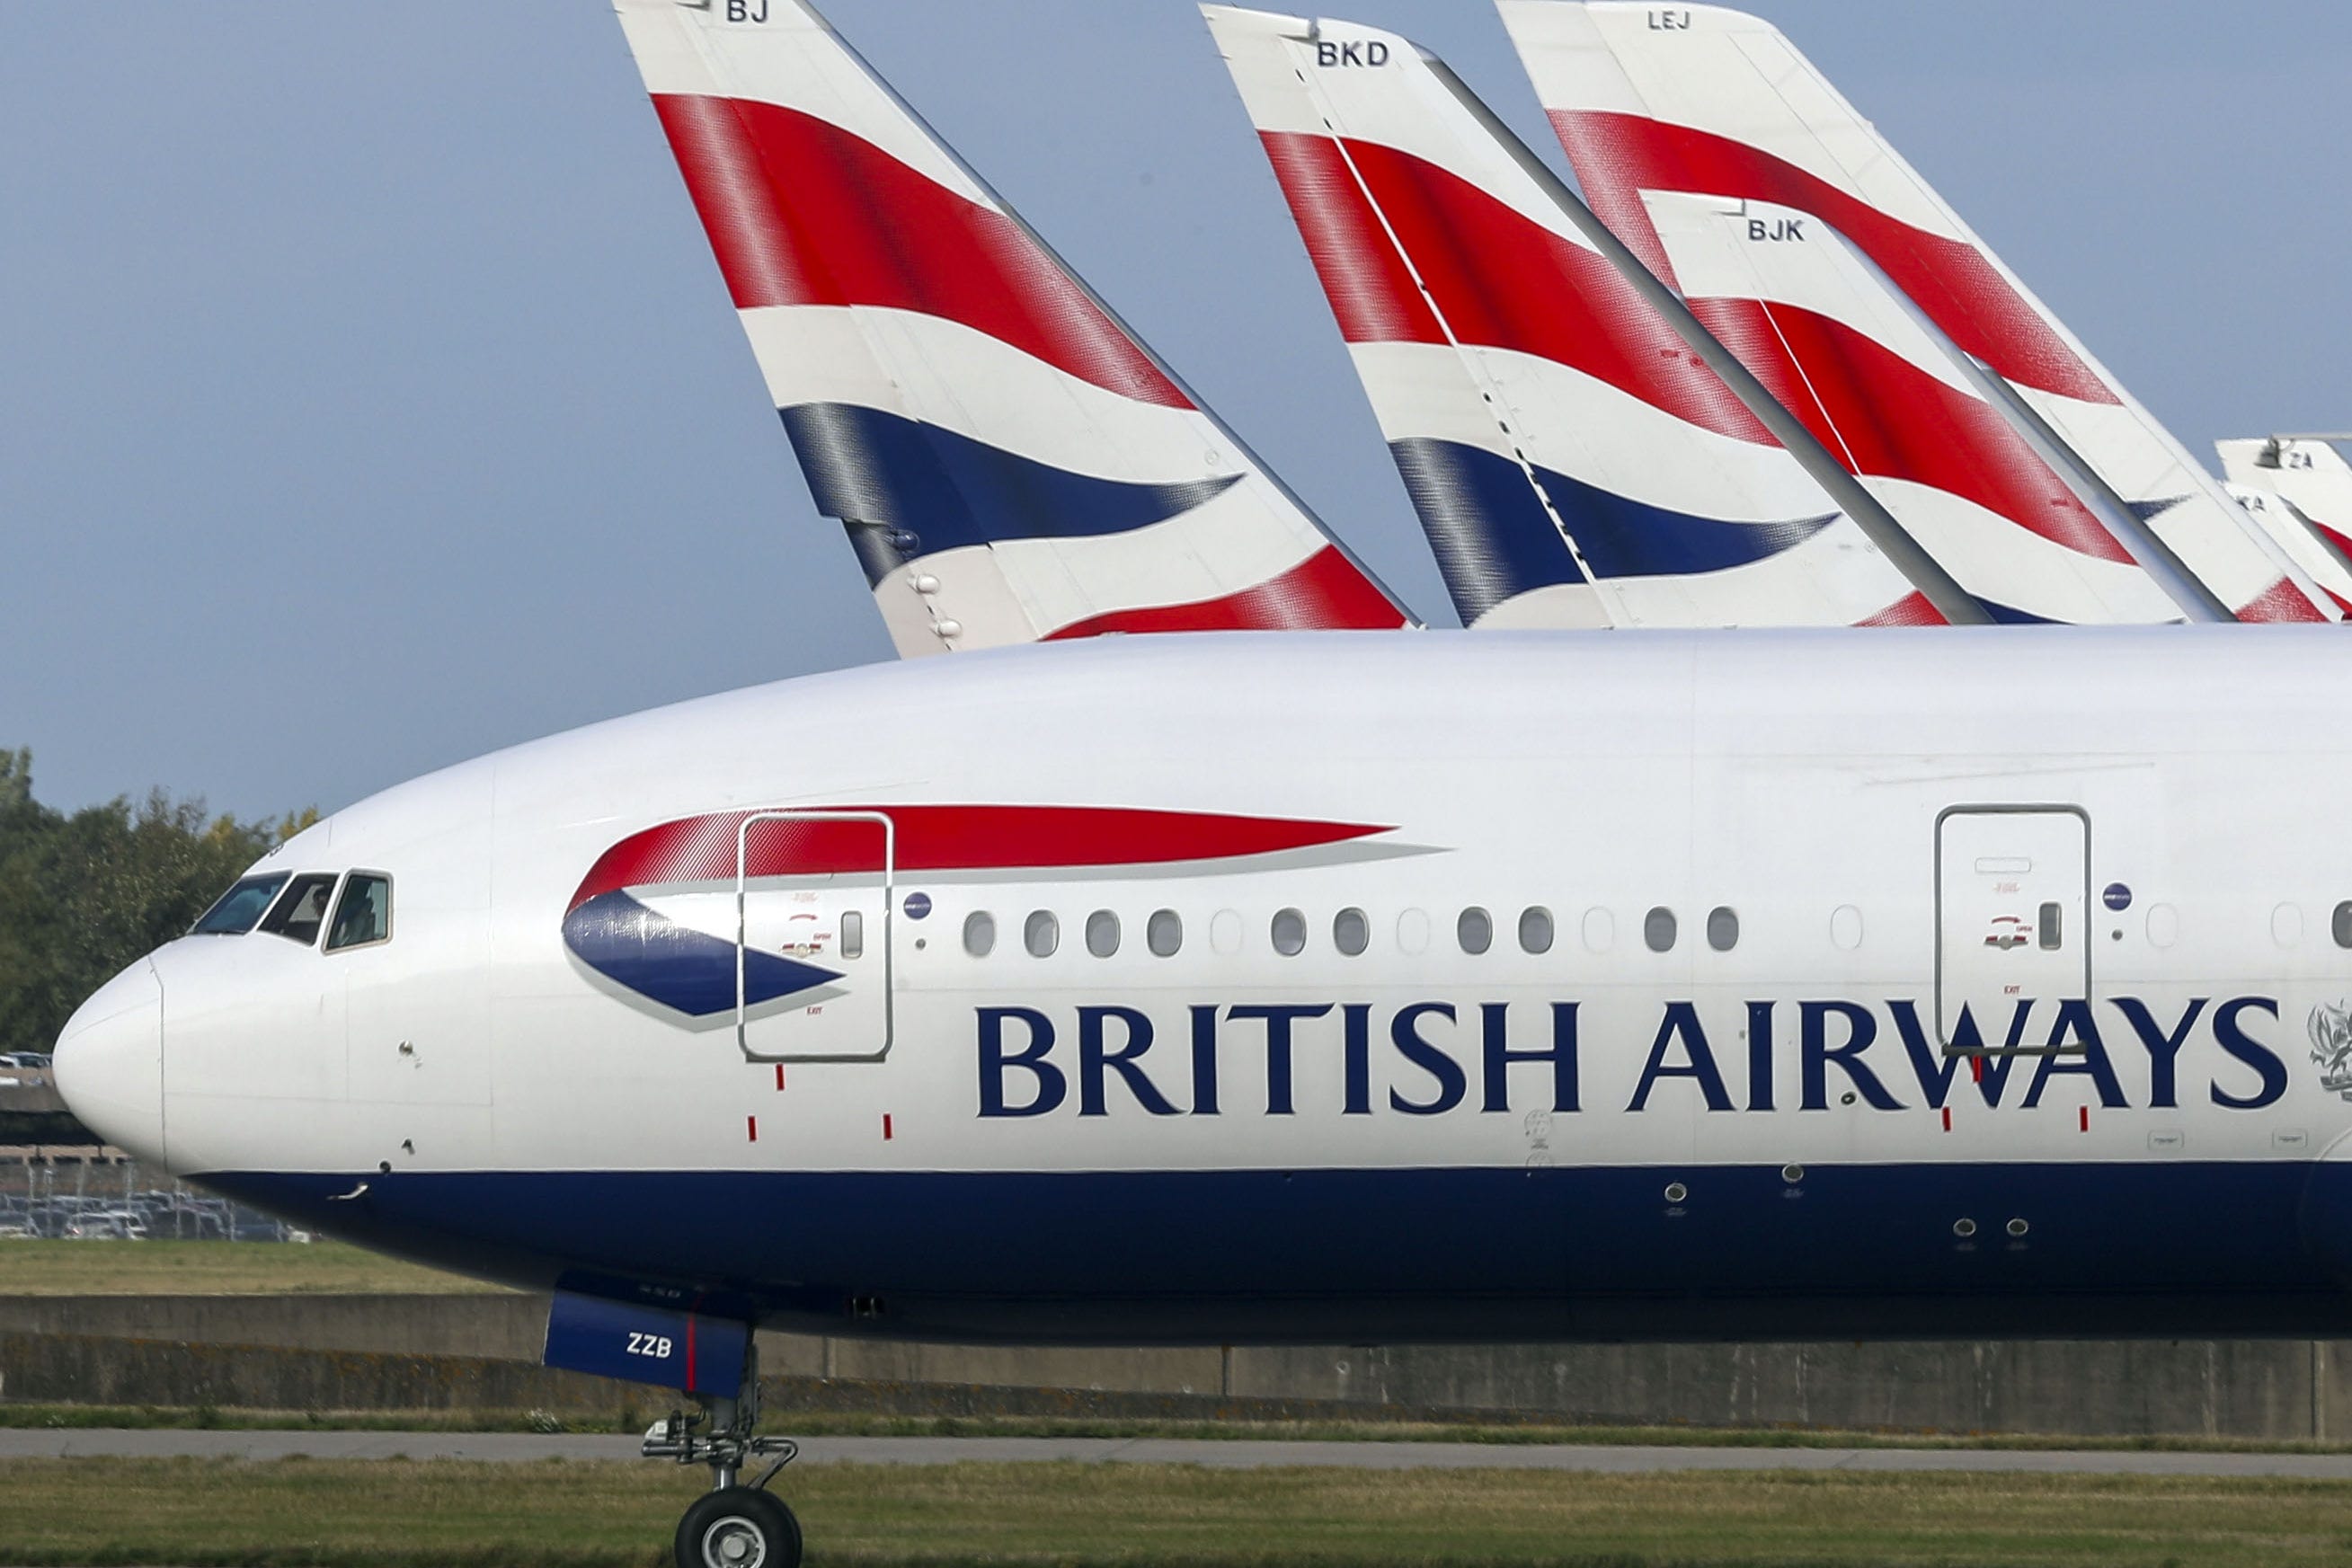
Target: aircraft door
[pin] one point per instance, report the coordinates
(2012, 913)
(813, 893)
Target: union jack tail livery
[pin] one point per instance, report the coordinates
(2300, 489)
(1716, 121)
(1573, 463)
(1011, 463)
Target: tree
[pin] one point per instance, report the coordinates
(82, 895)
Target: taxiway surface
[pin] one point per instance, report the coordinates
(1221, 1453)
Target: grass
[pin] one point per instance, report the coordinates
(43, 1267)
(787, 1422)
(456, 1514)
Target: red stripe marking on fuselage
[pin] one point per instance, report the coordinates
(801, 212)
(947, 837)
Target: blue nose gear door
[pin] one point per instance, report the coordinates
(812, 935)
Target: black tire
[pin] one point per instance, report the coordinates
(739, 1528)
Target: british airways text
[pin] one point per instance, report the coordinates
(1430, 1058)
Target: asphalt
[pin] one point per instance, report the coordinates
(1211, 1453)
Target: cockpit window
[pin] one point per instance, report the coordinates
(235, 911)
(301, 909)
(364, 914)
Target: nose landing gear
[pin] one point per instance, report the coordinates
(732, 1525)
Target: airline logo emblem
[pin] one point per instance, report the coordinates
(685, 970)
(2331, 1047)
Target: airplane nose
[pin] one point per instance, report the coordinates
(109, 1061)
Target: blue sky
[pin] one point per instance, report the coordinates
(369, 400)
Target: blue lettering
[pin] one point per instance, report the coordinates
(2074, 1021)
(1760, 1056)
(1681, 1022)
(2251, 1051)
(1933, 1068)
(1495, 1027)
(1279, 1021)
(1093, 1061)
(1452, 1083)
(1052, 1087)
(1815, 1053)
(1356, 1026)
(2163, 1047)
(1204, 1060)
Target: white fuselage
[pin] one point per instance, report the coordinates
(1750, 1125)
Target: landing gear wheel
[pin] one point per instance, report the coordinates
(738, 1527)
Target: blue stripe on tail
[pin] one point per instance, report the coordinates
(1494, 542)
(907, 489)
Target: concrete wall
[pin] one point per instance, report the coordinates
(2254, 1388)
(505, 1328)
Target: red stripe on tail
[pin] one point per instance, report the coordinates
(1618, 156)
(1882, 415)
(801, 212)
(1502, 280)
(1324, 592)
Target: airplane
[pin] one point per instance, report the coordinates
(2300, 489)
(1086, 491)
(1580, 451)
(1333, 985)
(1730, 164)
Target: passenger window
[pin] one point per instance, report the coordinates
(1102, 933)
(1476, 930)
(1723, 928)
(1164, 932)
(1412, 931)
(235, 911)
(1658, 929)
(2341, 925)
(1535, 929)
(1351, 931)
(1290, 933)
(1042, 934)
(301, 909)
(853, 934)
(980, 934)
(363, 915)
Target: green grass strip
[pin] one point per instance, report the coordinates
(456, 1514)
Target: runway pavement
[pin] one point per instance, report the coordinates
(1212, 1453)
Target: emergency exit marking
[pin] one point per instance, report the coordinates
(751, 1127)
(1947, 1118)
(886, 1126)
(2082, 1115)
(780, 1078)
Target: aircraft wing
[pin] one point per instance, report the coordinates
(1011, 462)
(1573, 463)
(1664, 108)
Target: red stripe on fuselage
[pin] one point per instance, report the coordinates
(1326, 591)
(1618, 156)
(945, 838)
(801, 212)
(1502, 280)
(1884, 417)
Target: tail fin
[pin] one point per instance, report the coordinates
(2312, 484)
(1011, 462)
(1573, 464)
(1718, 106)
